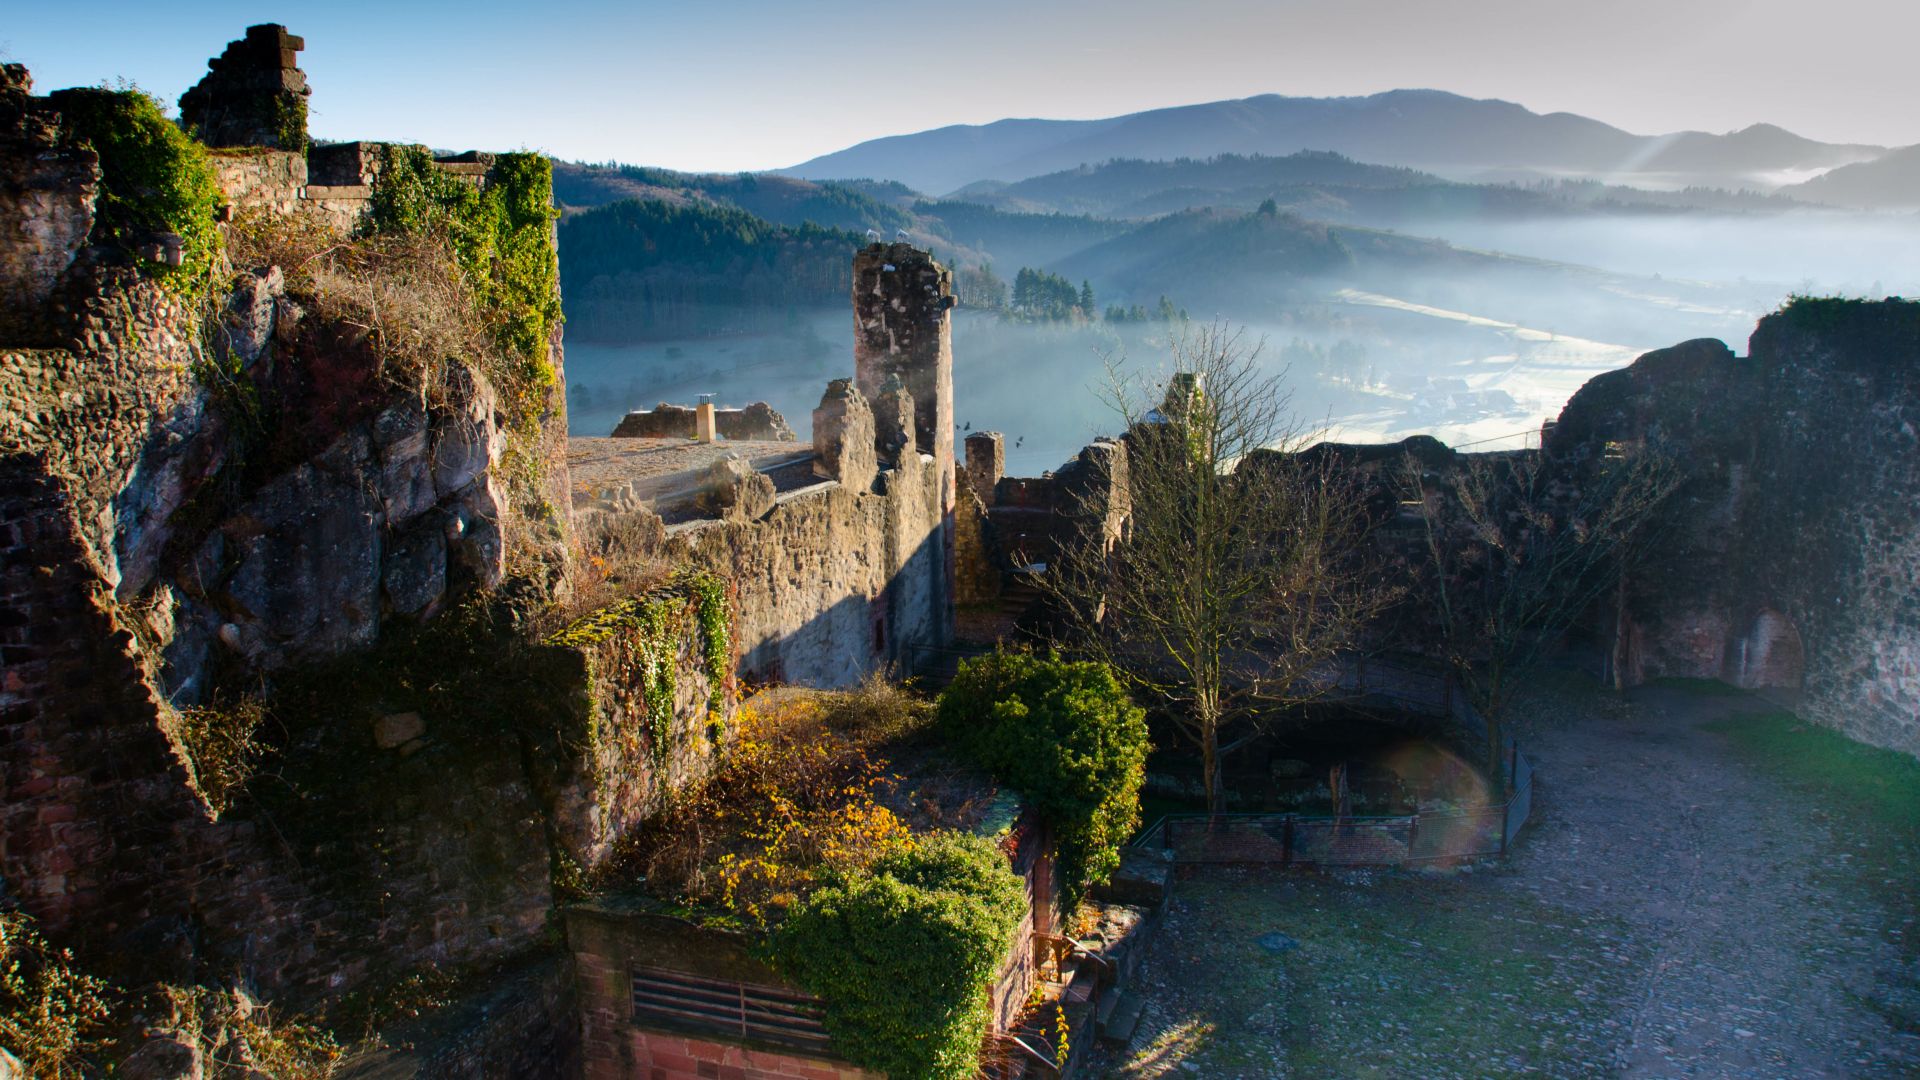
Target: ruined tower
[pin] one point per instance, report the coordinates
(254, 93)
(903, 328)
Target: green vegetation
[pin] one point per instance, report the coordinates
(1067, 736)
(903, 953)
(782, 200)
(1821, 312)
(980, 288)
(153, 180)
(655, 625)
(1163, 312)
(501, 238)
(1041, 296)
(1880, 786)
(638, 269)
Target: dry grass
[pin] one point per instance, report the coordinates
(877, 711)
(53, 1016)
(222, 746)
(615, 557)
(239, 1037)
(405, 292)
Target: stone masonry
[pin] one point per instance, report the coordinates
(252, 93)
(757, 421)
(903, 329)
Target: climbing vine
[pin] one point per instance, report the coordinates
(154, 181)
(502, 238)
(716, 624)
(655, 627)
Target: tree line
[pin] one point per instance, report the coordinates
(636, 269)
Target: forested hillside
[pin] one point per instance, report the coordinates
(783, 200)
(647, 269)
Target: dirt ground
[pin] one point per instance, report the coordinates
(1681, 906)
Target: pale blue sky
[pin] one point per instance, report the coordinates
(760, 84)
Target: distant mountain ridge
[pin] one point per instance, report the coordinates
(1325, 185)
(1426, 129)
(1892, 182)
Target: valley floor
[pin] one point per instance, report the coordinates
(1708, 890)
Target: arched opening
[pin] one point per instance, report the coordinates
(1769, 654)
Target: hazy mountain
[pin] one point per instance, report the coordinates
(1231, 260)
(1011, 239)
(1426, 129)
(1890, 183)
(1329, 186)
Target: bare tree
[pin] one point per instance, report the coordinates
(1233, 584)
(1517, 550)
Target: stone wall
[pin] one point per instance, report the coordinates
(47, 194)
(523, 1021)
(757, 421)
(1790, 556)
(903, 336)
(254, 93)
(835, 580)
(614, 763)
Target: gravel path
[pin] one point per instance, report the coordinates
(1781, 937)
(1673, 912)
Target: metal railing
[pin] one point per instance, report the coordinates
(1287, 839)
(733, 1009)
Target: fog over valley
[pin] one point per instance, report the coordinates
(1400, 301)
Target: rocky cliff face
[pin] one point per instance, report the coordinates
(217, 483)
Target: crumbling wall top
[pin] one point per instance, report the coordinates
(254, 93)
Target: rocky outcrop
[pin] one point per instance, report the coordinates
(735, 491)
(207, 499)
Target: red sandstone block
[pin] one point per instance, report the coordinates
(679, 1063)
(58, 814)
(655, 1042)
(818, 1072)
(706, 1051)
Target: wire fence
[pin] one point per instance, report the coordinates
(1286, 839)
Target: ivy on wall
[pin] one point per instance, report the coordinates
(653, 627)
(153, 180)
(502, 239)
